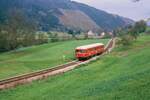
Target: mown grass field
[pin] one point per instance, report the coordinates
(38, 57)
(122, 75)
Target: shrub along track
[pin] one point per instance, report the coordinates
(42, 74)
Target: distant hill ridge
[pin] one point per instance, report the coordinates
(62, 15)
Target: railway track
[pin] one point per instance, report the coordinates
(28, 78)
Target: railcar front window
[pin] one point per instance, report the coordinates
(81, 51)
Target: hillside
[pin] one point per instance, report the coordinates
(34, 58)
(105, 20)
(77, 20)
(123, 74)
(49, 15)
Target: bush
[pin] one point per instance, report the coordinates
(148, 32)
(53, 37)
(42, 37)
(125, 40)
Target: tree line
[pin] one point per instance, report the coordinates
(130, 33)
(18, 31)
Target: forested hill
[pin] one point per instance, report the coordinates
(63, 15)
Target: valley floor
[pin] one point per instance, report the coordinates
(35, 58)
(122, 75)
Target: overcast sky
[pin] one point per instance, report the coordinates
(126, 8)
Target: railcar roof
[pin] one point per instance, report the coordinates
(90, 46)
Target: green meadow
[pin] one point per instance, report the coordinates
(34, 58)
(122, 75)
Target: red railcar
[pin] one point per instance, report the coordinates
(88, 51)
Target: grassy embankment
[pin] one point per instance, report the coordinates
(38, 57)
(124, 74)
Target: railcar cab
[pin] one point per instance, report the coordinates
(81, 54)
